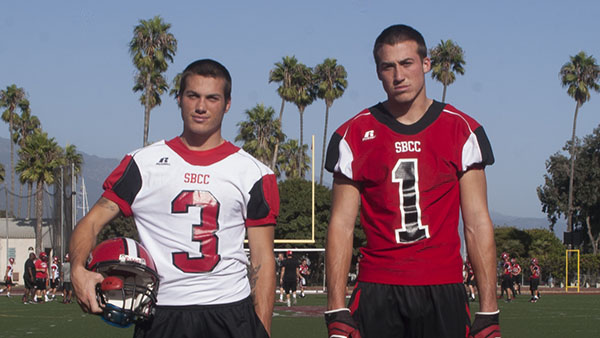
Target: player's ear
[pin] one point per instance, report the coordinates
(426, 64)
(227, 105)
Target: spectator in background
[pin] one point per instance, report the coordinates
(65, 273)
(29, 278)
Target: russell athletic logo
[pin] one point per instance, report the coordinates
(369, 135)
(163, 161)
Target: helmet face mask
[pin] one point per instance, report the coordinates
(128, 292)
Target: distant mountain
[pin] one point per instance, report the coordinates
(528, 223)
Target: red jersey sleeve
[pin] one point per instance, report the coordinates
(263, 206)
(123, 184)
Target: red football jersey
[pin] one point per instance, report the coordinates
(535, 271)
(410, 199)
(40, 264)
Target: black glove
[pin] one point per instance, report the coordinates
(486, 325)
(340, 324)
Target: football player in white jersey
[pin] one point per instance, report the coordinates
(8, 277)
(193, 199)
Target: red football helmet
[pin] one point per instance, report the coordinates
(55, 259)
(128, 291)
(534, 261)
(505, 256)
(11, 260)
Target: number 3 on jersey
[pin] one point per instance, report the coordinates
(406, 174)
(203, 232)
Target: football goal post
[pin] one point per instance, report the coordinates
(567, 284)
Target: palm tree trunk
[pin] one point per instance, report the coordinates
(572, 172)
(324, 142)
(29, 197)
(19, 201)
(39, 197)
(300, 152)
(274, 160)
(11, 206)
(444, 94)
(147, 110)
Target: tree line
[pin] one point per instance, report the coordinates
(39, 156)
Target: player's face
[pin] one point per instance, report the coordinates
(402, 72)
(203, 106)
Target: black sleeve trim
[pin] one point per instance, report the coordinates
(333, 152)
(128, 186)
(257, 206)
(485, 147)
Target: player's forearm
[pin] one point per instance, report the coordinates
(264, 296)
(482, 249)
(339, 254)
(262, 272)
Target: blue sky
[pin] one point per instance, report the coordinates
(72, 59)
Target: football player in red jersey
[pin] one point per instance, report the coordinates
(507, 280)
(516, 275)
(534, 280)
(41, 277)
(410, 164)
(193, 198)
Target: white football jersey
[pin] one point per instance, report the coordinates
(191, 209)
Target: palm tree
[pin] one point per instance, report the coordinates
(260, 133)
(447, 58)
(282, 74)
(580, 75)
(39, 157)
(305, 93)
(151, 47)
(10, 99)
(72, 157)
(25, 125)
(175, 85)
(289, 157)
(331, 81)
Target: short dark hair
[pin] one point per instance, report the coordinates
(400, 33)
(210, 68)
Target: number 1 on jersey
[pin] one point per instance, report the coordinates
(203, 232)
(406, 174)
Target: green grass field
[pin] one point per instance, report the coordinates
(555, 315)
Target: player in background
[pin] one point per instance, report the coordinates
(516, 275)
(8, 275)
(194, 199)
(278, 265)
(41, 278)
(289, 278)
(29, 279)
(304, 271)
(54, 278)
(65, 273)
(470, 279)
(534, 280)
(410, 164)
(507, 279)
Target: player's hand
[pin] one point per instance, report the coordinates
(340, 324)
(486, 325)
(84, 285)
